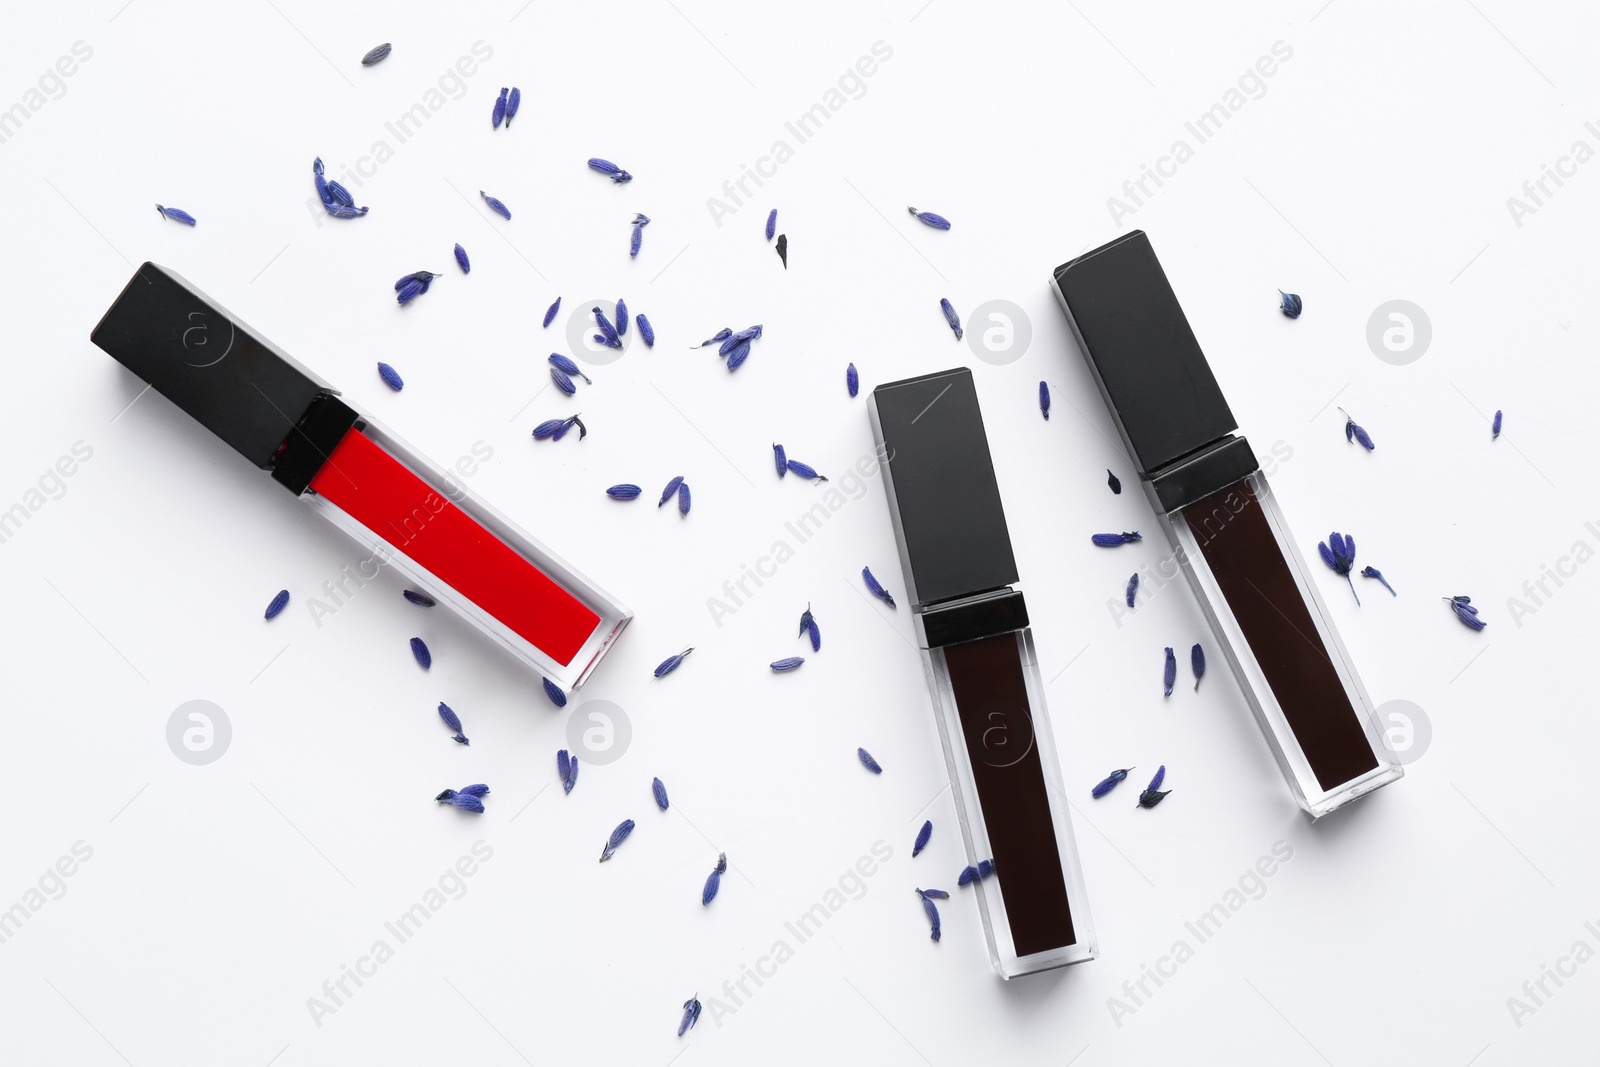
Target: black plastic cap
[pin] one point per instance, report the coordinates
(232, 381)
(1144, 355)
(948, 520)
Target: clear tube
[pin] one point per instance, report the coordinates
(613, 616)
(1010, 803)
(1321, 754)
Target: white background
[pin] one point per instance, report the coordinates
(218, 899)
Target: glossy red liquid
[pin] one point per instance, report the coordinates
(384, 495)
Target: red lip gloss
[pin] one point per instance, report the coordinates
(408, 512)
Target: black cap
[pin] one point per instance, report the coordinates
(1145, 356)
(943, 497)
(232, 381)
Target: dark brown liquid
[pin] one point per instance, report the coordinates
(997, 724)
(1238, 544)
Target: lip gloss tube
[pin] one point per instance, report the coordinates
(411, 514)
(1224, 526)
(977, 651)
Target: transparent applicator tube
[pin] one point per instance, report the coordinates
(1223, 523)
(406, 510)
(977, 651)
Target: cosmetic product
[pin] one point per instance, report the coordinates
(1214, 504)
(971, 623)
(410, 514)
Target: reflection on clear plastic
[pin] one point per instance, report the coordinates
(613, 616)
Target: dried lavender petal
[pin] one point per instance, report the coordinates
(618, 836)
(572, 775)
(1498, 418)
(495, 205)
(1109, 782)
(422, 600)
(420, 651)
(806, 620)
(968, 875)
(934, 894)
(566, 425)
(772, 223)
(733, 340)
(453, 721)
(513, 102)
(608, 331)
(421, 277)
(738, 355)
(322, 182)
(341, 211)
(789, 664)
(805, 470)
(1355, 432)
(928, 218)
(340, 194)
(951, 317)
(814, 632)
(783, 249)
(479, 790)
(548, 428)
(780, 459)
(659, 791)
(875, 587)
(671, 663)
(567, 366)
(278, 603)
(500, 107)
(622, 317)
(1113, 482)
(867, 761)
(624, 491)
(1468, 614)
(985, 868)
(1169, 673)
(635, 242)
(564, 768)
(691, 1014)
(550, 313)
(557, 696)
(1290, 304)
(1197, 663)
(683, 499)
(377, 55)
(1339, 553)
(563, 382)
(462, 261)
(176, 215)
(672, 487)
(409, 290)
(1373, 572)
(646, 331)
(1044, 400)
(922, 838)
(611, 170)
(1150, 798)
(714, 880)
(391, 377)
(466, 802)
(717, 338)
(852, 380)
(1111, 540)
(1156, 779)
(931, 912)
(1133, 588)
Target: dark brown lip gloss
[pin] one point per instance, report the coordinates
(1224, 526)
(409, 513)
(972, 626)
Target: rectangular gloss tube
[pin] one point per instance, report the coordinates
(409, 513)
(977, 651)
(1224, 526)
